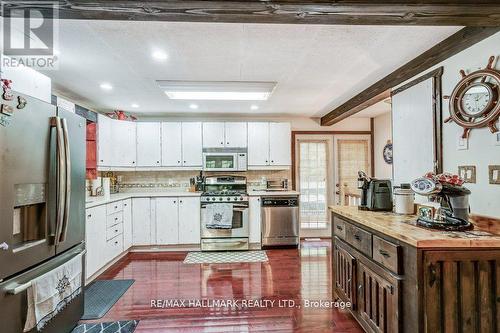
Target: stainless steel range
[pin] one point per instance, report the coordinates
(228, 190)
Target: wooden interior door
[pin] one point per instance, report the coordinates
(378, 300)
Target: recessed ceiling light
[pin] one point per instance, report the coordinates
(193, 106)
(254, 107)
(106, 86)
(217, 90)
(159, 55)
(135, 105)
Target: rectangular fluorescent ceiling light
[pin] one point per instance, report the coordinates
(217, 90)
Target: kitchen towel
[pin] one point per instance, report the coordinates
(219, 216)
(52, 291)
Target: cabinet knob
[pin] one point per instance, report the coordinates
(272, 161)
(184, 161)
(157, 162)
(222, 143)
(116, 242)
(178, 161)
(175, 201)
(227, 143)
(116, 230)
(180, 201)
(116, 219)
(89, 216)
(133, 162)
(102, 160)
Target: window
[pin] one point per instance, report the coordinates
(313, 170)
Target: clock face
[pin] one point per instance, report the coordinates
(476, 100)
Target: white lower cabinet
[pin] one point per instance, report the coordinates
(255, 219)
(189, 220)
(141, 221)
(95, 239)
(167, 221)
(127, 224)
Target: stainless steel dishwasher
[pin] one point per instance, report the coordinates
(280, 221)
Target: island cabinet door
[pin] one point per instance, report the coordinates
(462, 291)
(345, 275)
(378, 299)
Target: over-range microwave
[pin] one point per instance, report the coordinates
(224, 159)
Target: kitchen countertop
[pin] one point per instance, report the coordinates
(262, 193)
(404, 229)
(97, 201)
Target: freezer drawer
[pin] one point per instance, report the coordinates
(13, 300)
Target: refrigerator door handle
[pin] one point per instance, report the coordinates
(61, 178)
(16, 288)
(67, 189)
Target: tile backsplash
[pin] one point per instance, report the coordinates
(131, 180)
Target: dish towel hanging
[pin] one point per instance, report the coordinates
(219, 216)
(51, 292)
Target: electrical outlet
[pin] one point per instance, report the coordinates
(467, 173)
(494, 174)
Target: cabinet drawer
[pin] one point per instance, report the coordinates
(114, 231)
(387, 254)
(113, 219)
(359, 239)
(114, 207)
(339, 227)
(114, 247)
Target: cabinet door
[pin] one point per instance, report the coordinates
(191, 144)
(258, 144)
(344, 268)
(236, 135)
(167, 221)
(141, 221)
(124, 143)
(378, 299)
(104, 141)
(127, 224)
(213, 135)
(255, 221)
(171, 144)
(95, 238)
(148, 144)
(189, 220)
(279, 144)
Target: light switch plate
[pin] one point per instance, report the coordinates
(494, 174)
(462, 144)
(467, 173)
(497, 138)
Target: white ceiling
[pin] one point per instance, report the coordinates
(374, 110)
(316, 67)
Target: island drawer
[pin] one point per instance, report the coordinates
(387, 254)
(339, 227)
(359, 239)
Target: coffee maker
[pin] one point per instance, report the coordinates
(453, 199)
(376, 194)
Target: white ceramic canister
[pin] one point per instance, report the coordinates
(404, 201)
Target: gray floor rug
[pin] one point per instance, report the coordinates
(225, 257)
(126, 326)
(101, 295)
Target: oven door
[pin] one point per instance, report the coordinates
(240, 224)
(220, 161)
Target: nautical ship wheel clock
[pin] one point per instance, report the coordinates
(474, 103)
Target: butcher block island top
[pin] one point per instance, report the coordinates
(405, 229)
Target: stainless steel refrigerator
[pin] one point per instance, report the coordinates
(42, 205)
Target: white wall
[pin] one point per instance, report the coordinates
(382, 133)
(485, 198)
(28, 81)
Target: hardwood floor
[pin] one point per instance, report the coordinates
(290, 274)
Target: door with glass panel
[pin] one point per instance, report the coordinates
(352, 154)
(313, 178)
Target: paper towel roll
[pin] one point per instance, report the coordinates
(106, 188)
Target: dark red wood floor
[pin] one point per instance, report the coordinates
(290, 274)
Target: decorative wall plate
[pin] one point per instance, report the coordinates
(387, 153)
(474, 102)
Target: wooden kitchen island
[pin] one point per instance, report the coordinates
(400, 277)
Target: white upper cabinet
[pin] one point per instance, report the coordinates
(192, 144)
(258, 144)
(104, 139)
(279, 144)
(123, 143)
(148, 144)
(171, 144)
(167, 221)
(235, 135)
(213, 135)
(189, 220)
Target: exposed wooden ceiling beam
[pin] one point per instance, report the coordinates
(452, 45)
(352, 12)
